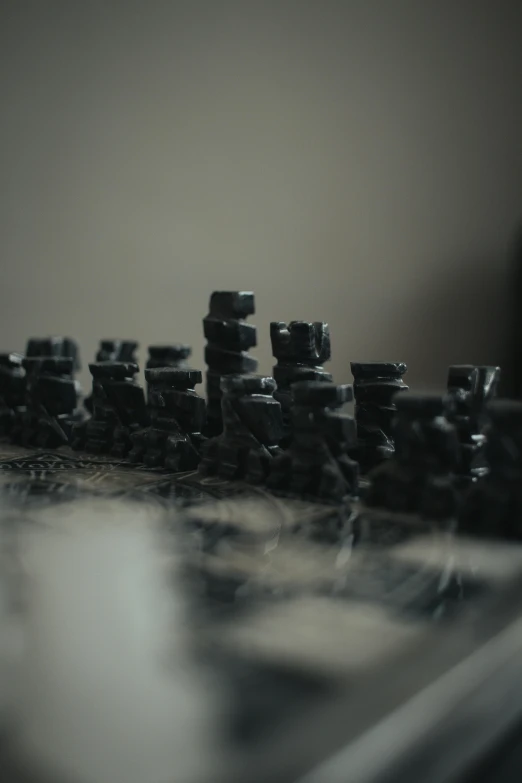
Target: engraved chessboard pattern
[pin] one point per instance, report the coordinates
(293, 596)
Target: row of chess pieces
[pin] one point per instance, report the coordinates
(422, 453)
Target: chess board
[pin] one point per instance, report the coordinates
(349, 639)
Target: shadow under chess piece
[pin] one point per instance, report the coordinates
(493, 505)
(177, 414)
(118, 410)
(229, 338)
(375, 386)
(316, 464)
(113, 351)
(420, 478)
(50, 403)
(470, 388)
(12, 390)
(300, 348)
(252, 428)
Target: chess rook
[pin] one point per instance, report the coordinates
(57, 347)
(50, 402)
(316, 464)
(12, 390)
(228, 340)
(375, 386)
(177, 415)
(470, 388)
(117, 351)
(300, 348)
(174, 355)
(110, 350)
(118, 409)
(419, 478)
(252, 428)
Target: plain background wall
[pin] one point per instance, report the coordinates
(353, 161)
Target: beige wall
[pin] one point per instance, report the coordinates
(354, 161)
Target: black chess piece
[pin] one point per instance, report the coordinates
(375, 386)
(118, 410)
(228, 340)
(116, 350)
(174, 355)
(470, 388)
(51, 400)
(419, 479)
(12, 390)
(59, 347)
(177, 415)
(113, 350)
(252, 428)
(300, 348)
(316, 464)
(493, 505)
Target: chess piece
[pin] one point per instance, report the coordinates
(117, 351)
(50, 402)
(493, 505)
(300, 348)
(177, 415)
(59, 347)
(228, 340)
(420, 476)
(252, 428)
(118, 410)
(113, 351)
(316, 464)
(174, 355)
(470, 388)
(12, 390)
(375, 387)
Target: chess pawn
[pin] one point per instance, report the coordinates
(316, 464)
(252, 428)
(470, 388)
(375, 387)
(118, 408)
(58, 347)
(177, 415)
(117, 351)
(174, 355)
(51, 402)
(300, 348)
(493, 505)
(113, 351)
(229, 338)
(12, 390)
(420, 477)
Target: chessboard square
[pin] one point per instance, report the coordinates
(322, 635)
(491, 561)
